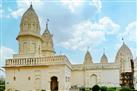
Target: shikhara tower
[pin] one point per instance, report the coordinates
(29, 37)
(31, 43)
(47, 43)
(37, 68)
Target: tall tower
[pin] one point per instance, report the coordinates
(29, 36)
(47, 43)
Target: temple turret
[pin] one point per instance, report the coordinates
(29, 36)
(47, 43)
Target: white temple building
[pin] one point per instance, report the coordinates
(37, 67)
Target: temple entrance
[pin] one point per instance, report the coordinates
(54, 84)
(93, 80)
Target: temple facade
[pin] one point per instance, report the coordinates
(37, 67)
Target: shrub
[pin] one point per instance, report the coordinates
(95, 88)
(125, 89)
(82, 89)
(103, 88)
(111, 89)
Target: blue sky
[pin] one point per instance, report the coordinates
(75, 25)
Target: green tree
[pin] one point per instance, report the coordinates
(95, 88)
(103, 88)
(2, 85)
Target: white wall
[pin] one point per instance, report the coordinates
(44, 73)
(77, 78)
(103, 77)
(135, 74)
(109, 77)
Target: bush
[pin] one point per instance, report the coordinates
(82, 89)
(2, 85)
(95, 88)
(111, 89)
(103, 88)
(125, 89)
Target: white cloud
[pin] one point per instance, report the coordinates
(72, 4)
(22, 6)
(88, 33)
(26, 3)
(83, 36)
(130, 33)
(19, 12)
(107, 25)
(5, 53)
(1, 11)
(97, 4)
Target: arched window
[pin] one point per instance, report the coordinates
(32, 47)
(37, 84)
(25, 27)
(25, 47)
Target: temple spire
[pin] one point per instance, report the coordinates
(47, 45)
(88, 58)
(47, 24)
(88, 48)
(30, 4)
(103, 50)
(123, 40)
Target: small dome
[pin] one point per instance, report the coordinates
(88, 58)
(104, 59)
(123, 53)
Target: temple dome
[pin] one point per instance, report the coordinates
(104, 59)
(30, 16)
(30, 23)
(123, 53)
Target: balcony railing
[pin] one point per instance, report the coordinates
(51, 60)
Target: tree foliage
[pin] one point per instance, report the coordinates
(125, 89)
(2, 85)
(95, 88)
(103, 88)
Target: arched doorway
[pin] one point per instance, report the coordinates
(93, 80)
(54, 83)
